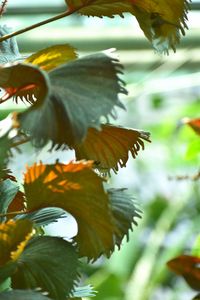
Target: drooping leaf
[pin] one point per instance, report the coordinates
(51, 57)
(8, 191)
(8, 49)
(23, 295)
(43, 216)
(162, 21)
(49, 263)
(109, 148)
(188, 267)
(124, 212)
(82, 92)
(76, 188)
(25, 82)
(13, 239)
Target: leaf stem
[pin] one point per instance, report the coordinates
(52, 19)
(14, 213)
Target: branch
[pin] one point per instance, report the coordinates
(57, 17)
(3, 7)
(14, 213)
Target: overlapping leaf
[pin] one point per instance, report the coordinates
(49, 263)
(162, 21)
(13, 238)
(51, 57)
(23, 82)
(109, 148)
(76, 188)
(82, 91)
(8, 191)
(22, 295)
(124, 212)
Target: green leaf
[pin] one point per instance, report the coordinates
(24, 82)
(8, 191)
(82, 92)
(124, 213)
(196, 247)
(43, 216)
(84, 291)
(22, 295)
(49, 263)
(110, 147)
(51, 57)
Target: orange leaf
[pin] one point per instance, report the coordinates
(109, 148)
(188, 267)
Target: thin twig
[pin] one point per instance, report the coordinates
(3, 7)
(57, 17)
(14, 213)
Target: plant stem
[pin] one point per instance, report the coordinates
(14, 213)
(57, 17)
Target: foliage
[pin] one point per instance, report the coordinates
(70, 103)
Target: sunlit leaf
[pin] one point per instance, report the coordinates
(162, 21)
(49, 263)
(8, 49)
(188, 267)
(23, 82)
(110, 147)
(76, 188)
(82, 91)
(13, 238)
(84, 291)
(124, 212)
(23, 295)
(52, 57)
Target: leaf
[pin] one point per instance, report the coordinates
(8, 49)
(13, 238)
(84, 291)
(124, 212)
(49, 263)
(194, 124)
(51, 57)
(43, 216)
(109, 148)
(100, 8)
(162, 21)
(76, 188)
(22, 295)
(24, 82)
(8, 191)
(82, 92)
(188, 267)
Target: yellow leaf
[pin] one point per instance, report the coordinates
(14, 236)
(51, 57)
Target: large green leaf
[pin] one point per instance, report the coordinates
(76, 188)
(49, 263)
(109, 148)
(82, 92)
(8, 191)
(22, 295)
(51, 57)
(162, 21)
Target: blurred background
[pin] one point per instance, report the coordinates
(162, 91)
